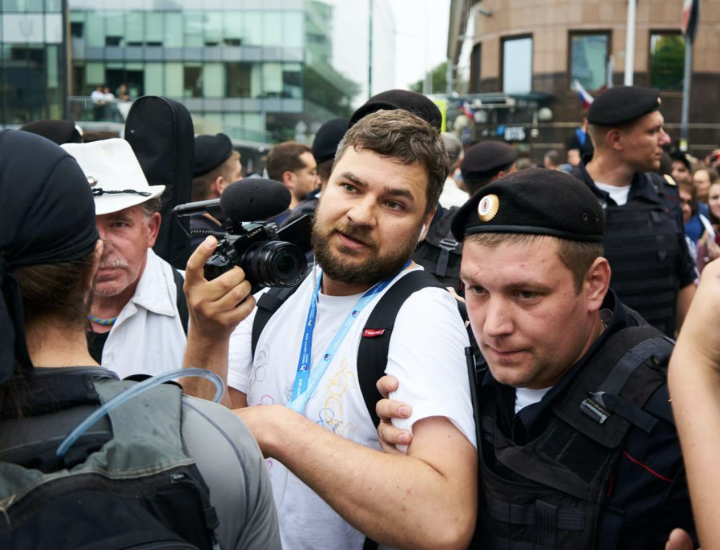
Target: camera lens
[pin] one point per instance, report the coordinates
(275, 263)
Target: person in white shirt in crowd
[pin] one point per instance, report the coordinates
(452, 195)
(333, 486)
(135, 324)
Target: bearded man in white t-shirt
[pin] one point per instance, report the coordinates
(333, 486)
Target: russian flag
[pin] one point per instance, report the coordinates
(585, 98)
(467, 111)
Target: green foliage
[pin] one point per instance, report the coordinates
(667, 63)
(438, 81)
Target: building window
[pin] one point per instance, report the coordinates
(475, 59)
(667, 60)
(589, 54)
(517, 57)
(239, 79)
(192, 80)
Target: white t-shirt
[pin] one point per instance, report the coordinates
(525, 397)
(426, 355)
(618, 194)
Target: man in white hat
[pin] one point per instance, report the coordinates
(136, 327)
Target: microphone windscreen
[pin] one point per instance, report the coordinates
(254, 199)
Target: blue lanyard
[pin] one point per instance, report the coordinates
(307, 378)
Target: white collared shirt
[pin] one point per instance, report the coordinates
(148, 337)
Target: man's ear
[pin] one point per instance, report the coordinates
(153, 223)
(597, 283)
(613, 139)
(289, 179)
(427, 220)
(217, 187)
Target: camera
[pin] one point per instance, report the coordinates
(260, 251)
(269, 255)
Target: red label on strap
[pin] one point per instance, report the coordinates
(372, 332)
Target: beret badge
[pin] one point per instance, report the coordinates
(488, 207)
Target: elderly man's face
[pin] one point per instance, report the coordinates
(126, 235)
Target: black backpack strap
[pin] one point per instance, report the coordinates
(375, 341)
(181, 300)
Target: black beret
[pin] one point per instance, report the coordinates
(57, 131)
(536, 201)
(681, 157)
(327, 139)
(487, 158)
(623, 104)
(418, 104)
(210, 152)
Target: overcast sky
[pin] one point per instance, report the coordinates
(416, 20)
(419, 29)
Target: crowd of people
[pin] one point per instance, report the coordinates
(479, 355)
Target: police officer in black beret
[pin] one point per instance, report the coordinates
(216, 166)
(439, 253)
(324, 147)
(578, 449)
(653, 271)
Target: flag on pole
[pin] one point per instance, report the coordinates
(690, 18)
(467, 111)
(585, 98)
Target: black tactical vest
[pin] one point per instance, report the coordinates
(642, 248)
(439, 253)
(549, 493)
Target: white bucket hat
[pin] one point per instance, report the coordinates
(114, 173)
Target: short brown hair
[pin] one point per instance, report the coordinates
(402, 136)
(711, 172)
(577, 256)
(285, 157)
(201, 184)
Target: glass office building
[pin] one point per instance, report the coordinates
(32, 74)
(259, 70)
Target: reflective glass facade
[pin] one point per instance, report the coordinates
(261, 69)
(32, 74)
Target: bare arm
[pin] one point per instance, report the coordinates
(425, 499)
(216, 307)
(685, 298)
(694, 380)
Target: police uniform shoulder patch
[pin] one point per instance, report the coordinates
(670, 180)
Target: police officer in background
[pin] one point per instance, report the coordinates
(652, 270)
(578, 445)
(216, 165)
(439, 253)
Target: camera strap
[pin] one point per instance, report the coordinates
(308, 376)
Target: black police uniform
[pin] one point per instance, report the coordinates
(640, 486)
(646, 247)
(645, 238)
(596, 464)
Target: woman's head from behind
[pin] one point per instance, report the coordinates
(48, 243)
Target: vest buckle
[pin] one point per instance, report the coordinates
(593, 407)
(449, 244)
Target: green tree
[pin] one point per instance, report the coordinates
(438, 80)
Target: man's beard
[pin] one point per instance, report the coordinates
(373, 270)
